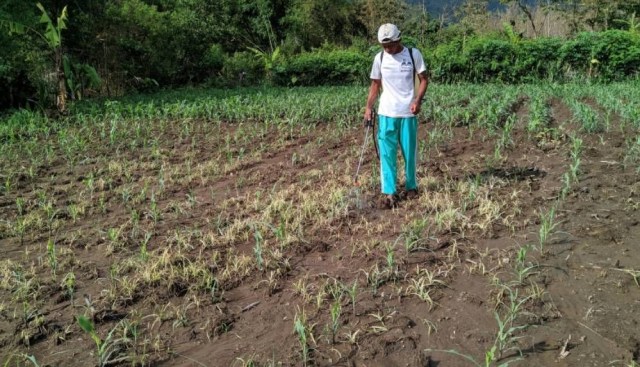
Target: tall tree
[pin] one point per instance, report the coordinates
(474, 15)
(314, 22)
(373, 13)
(527, 9)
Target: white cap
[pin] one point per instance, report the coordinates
(388, 33)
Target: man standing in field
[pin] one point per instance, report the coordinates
(394, 71)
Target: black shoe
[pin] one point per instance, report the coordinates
(412, 194)
(391, 201)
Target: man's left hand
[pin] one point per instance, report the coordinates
(415, 107)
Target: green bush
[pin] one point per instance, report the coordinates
(604, 56)
(618, 54)
(490, 60)
(538, 60)
(334, 67)
(447, 62)
(214, 57)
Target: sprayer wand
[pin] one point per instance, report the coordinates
(370, 124)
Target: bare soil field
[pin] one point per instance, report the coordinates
(220, 247)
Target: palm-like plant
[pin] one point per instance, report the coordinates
(53, 38)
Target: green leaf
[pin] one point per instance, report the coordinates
(94, 78)
(85, 324)
(32, 359)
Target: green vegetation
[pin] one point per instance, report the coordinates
(186, 195)
(53, 52)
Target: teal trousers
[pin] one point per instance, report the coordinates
(391, 132)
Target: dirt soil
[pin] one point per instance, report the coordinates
(583, 305)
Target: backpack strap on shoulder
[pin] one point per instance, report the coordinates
(413, 64)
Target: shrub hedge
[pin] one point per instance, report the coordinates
(333, 67)
(601, 56)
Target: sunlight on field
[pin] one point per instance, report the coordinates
(131, 227)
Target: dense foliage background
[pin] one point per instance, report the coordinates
(112, 47)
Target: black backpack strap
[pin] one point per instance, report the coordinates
(413, 63)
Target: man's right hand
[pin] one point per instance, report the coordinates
(369, 115)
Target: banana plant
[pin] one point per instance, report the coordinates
(53, 38)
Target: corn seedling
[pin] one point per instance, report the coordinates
(271, 282)
(353, 292)
(522, 268)
(380, 317)
(109, 351)
(566, 185)
(375, 278)
(303, 332)
(257, 248)
(144, 254)
(391, 262)
(102, 203)
(51, 214)
(74, 211)
(69, 284)
(574, 166)
(422, 290)
(414, 237)
(547, 225)
(20, 205)
(336, 310)
(51, 256)
(504, 341)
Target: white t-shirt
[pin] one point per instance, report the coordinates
(396, 73)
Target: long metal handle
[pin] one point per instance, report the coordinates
(366, 141)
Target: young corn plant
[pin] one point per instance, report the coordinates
(51, 256)
(144, 253)
(414, 237)
(352, 292)
(576, 150)
(20, 205)
(257, 249)
(522, 268)
(547, 226)
(505, 340)
(303, 332)
(69, 285)
(336, 311)
(110, 351)
(392, 268)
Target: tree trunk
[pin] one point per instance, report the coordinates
(529, 15)
(61, 98)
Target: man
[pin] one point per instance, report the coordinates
(393, 71)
